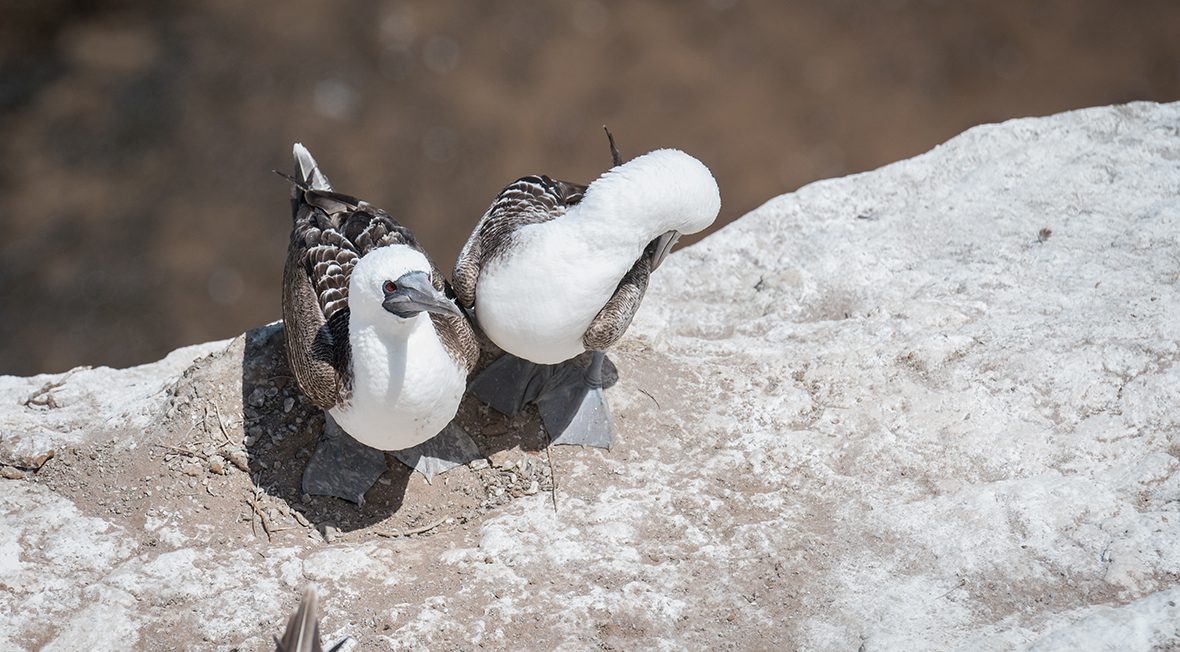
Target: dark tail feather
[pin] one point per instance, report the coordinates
(303, 629)
(298, 184)
(614, 151)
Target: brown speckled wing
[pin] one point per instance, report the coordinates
(528, 200)
(317, 353)
(458, 336)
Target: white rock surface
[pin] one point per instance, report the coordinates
(880, 412)
(110, 402)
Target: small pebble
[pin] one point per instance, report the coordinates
(301, 519)
(192, 469)
(41, 459)
(479, 464)
(288, 403)
(330, 533)
(216, 465)
(11, 473)
(238, 458)
(494, 429)
(533, 488)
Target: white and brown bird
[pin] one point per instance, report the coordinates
(373, 337)
(554, 269)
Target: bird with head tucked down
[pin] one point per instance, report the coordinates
(554, 269)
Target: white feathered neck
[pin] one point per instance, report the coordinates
(406, 385)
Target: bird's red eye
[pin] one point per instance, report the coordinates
(389, 287)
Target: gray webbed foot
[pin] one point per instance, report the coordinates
(574, 408)
(569, 397)
(342, 466)
(510, 383)
(577, 414)
(449, 448)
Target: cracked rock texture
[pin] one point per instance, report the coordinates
(933, 406)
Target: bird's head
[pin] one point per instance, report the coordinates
(396, 281)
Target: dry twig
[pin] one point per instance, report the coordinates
(182, 451)
(43, 396)
(552, 474)
(253, 503)
(418, 530)
(224, 432)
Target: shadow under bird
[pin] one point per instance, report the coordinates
(554, 269)
(373, 337)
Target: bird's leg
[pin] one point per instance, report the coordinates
(342, 466)
(574, 408)
(594, 371)
(449, 448)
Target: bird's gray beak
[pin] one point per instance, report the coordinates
(414, 294)
(661, 247)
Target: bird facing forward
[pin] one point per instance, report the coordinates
(372, 335)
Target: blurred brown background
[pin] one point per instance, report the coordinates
(137, 137)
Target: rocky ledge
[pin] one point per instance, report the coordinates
(932, 406)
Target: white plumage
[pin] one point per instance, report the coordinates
(406, 386)
(537, 299)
